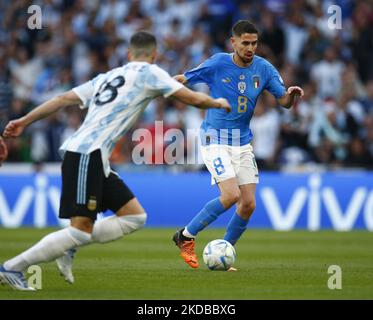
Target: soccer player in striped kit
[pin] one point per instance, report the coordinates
(114, 100)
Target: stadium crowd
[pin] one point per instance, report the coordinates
(332, 127)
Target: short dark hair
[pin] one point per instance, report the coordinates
(243, 26)
(142, 43)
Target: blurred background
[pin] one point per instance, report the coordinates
(332, 127)
(329, 130)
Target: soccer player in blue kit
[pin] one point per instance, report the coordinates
(240, 77)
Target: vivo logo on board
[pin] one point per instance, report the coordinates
(33, 200)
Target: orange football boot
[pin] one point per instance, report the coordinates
(186, 249)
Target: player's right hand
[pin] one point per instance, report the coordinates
(224, 104)
(14, 128)
(180, 78)
(3, 151)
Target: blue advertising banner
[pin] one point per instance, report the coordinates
(339, 201)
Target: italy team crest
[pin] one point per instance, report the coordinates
(242, 86)
(256, 82)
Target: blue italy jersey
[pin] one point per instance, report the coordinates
(241, 86)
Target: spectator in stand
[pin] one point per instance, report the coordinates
(358, 155)
(265, 126)
(368, 100)
(273, 36)
(327, 74)
(369, 135)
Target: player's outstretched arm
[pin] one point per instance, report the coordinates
(201, 100)
(290, 96)
(15, 127)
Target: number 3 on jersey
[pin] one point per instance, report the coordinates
(108, 91)
(242, 104)
(219, 167)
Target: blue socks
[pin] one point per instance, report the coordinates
(235, 228)
(208, 214)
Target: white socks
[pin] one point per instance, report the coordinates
(114, 227)
(187, 234)
(49, 248)
(55, 244)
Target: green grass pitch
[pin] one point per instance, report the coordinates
(147, 265)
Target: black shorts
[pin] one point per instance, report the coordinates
(86, 190)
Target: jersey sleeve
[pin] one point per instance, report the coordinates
(202, 73)
(86, 90)
(275, 84)
(159, 82)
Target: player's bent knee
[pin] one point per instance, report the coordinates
(229, 199)
(251, 207)
(133, 222)
(114, 227)
(247, 208)
(84, 224)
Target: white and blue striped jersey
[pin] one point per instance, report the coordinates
(115, 100)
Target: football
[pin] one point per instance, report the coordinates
(219, 255)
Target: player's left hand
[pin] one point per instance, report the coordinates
(3, 151)
(295, 91)
(224, 104)
(14, 128)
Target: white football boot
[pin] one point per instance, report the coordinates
(14, 279)
(65, 265)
